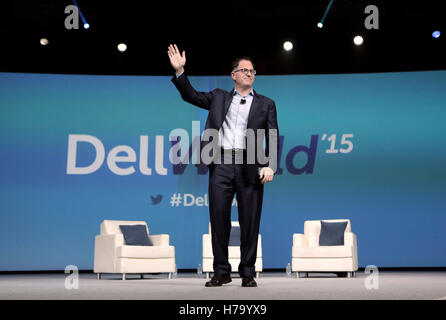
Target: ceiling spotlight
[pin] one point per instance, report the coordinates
(436, 34)
(86, 26)
(358, 40)
(122, 47)
(321, 22)
(288, 45)
(44, 41)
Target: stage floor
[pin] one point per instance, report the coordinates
(400, 285)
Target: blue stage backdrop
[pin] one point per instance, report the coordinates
(76, 149)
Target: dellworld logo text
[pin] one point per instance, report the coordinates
(126, 156)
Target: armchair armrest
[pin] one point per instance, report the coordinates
(105, 251)
(159, 239)
(350, 239)
(114, 240)
(300, 240)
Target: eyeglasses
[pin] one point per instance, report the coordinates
(245, 71)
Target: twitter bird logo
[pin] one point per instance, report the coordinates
(157, 199)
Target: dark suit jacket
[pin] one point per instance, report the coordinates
(262, 115)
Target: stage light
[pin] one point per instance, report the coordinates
(321, 22)
(358, 40)
(122, 47)
(288, 45)
(436, 34)
(84, 21)
(44, 41)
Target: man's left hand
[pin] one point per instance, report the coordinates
(266, 175)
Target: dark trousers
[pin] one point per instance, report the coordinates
(225, 180)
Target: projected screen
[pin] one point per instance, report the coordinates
(76, 150)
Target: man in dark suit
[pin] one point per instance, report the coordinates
(236, 166)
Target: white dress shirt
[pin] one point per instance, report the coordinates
(233, 131)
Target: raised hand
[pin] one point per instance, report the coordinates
(176, 59)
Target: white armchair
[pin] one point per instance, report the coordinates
(308, 256)
(233, 254)
(111, 255)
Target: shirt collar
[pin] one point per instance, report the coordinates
(250, 92)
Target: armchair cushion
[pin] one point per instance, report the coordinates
(332, 233)
(322, 252)
(135, 235)
(145, 252)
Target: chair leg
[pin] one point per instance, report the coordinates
(257, 275)
(123, 276)
(349, 274)
(207, 275)
(99, 276)
(170, 275)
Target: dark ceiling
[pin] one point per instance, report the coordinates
(214, 32)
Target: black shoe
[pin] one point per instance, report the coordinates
(249, 282)
(218, 280)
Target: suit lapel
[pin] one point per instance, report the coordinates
(228, 100)
(255, 106)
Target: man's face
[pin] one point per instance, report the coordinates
(243, 79)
